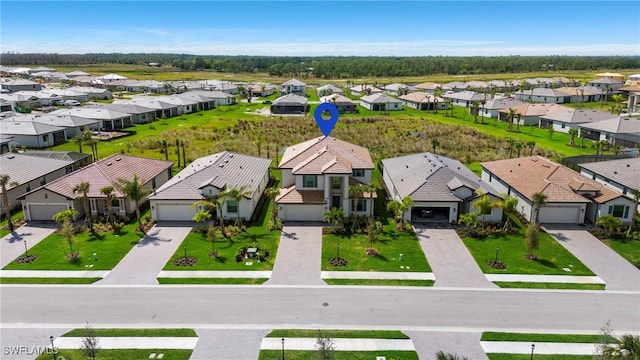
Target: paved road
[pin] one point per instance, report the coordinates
(269, 307)
(616, 271)
(428, 343)
(12, 245)
(299, 257)
(144, 262)
(451, 262)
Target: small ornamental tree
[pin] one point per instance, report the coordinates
(532, 240)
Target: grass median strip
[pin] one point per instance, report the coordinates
(111, 354)
(28, 280)
(538, 357)
(558, 286)
(381, 282)
(533, 337)
(211, 281)
(354, 334)
(116, 332)
(338, 355)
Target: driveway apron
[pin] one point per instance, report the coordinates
(616, 271)
(228, 344)
(451, 262)
(12, 244)
(428, 343)
(144, 262)
(299, 257)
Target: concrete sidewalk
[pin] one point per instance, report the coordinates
(144, 262)
(130, 342)
(377, 275)
(299, 257)
(12, 244)
(616, 271)
(563, 279)
(341, 344)
(215, 274)
(541, 348)
(53, 273)
(451, 262)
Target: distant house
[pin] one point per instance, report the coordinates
(162, 109)
(492, 107)
(380, 102)
(572, 198)
(44, 98)
(20, 85)
(543, 95)
(621, 176)
(581, 94)
(139, 114)
(261, 90)
(73, 125)
(290, 104)
(200, 101)
(344, 104)
(529, 114)
(455, 86)
(77, 73)
(185, 105)
(423, 101)
(293, 86)
(633, 102)
(611, 129)
(317, 175)
(607, 84)
(464, 98)
(362, 90)
(328, 89)
(112, 77)
(478, 86)
(397, 89)
(110, 119)
(22, 99)
(564, 120)
(219, 97)
(70, 94)
(31, 169)
(93, 93)
(223, 86)
(207, 177)
(33, 134)
(429, 87)
(55, 196)
(441, 188)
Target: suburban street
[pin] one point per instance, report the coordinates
(25, 306)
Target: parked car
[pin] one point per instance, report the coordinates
(71, 103)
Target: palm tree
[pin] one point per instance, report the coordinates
(371, 190)
(434, 144)
(4, 181)
(531, 145)
(393, 207)
(135, 190)
(78, 139)
(572, 136)
(511, 143)
(356, 192)
(334, 216)
(634, 212)
(237, 194)
(475, 105)
(66, 229)
(83, 188)
(510, 116)
(108, 192)
(484, 205)
(441, 355)
(271, 193)
(508, 205)
(625, 348)
(518, 146)
(539, 200)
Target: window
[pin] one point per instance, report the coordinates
(362, 205)
(153, 183)
(43, 181)
(310, 181)
(169, 173)
(619, 211)
(115, 203)
(563, 125)
(28, 187)
(335, 183)
(45, 137)
(232, 206)
(358, 173)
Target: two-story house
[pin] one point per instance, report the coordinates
(293, 86)
(317, 175)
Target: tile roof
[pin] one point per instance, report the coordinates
(466, 95)
(290, 99)
(122, 107)
(323, 161)
(502, 103)
(363, 88)
(536, 174)
(578, 116)
(622, 171)
(17, 127)
(428, 86)
(67, 121)
(23, 167)
(580, 91)
(291, 195)
(431, 177)
(542, 92)
(616, 125)
(106, 172)
(379, 98)
(606, 80)
(92, 113)
(294, 82)
(420, 97)
(538, 109)
(219, 170)
(336, 99)
(357, 156)
(148, 102)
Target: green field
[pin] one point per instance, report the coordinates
(556, 286)
(354, 334)
(379, 282)
(131, 354)
(338, 355)
(134, 333)
(628, 249)
(47, 281)
(529, 337)
(211, 281)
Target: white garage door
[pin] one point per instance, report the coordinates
(559, 215)
(303, 212)
(45, 212)
(175, 212)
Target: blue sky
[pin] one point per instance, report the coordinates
(314, 28)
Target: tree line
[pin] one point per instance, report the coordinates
(339, 67)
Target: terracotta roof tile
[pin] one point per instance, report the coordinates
(291, 195)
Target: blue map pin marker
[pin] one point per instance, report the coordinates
(326, 125)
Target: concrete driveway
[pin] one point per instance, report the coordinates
(12, 245)
(451, 262)
(222, 344)
(616, 271)
(144, 262)
(299, 256)
(466, 344)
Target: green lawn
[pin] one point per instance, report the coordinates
(26, 280)
(538, 357)
(130, 354)
(135, 333)
(354, 334)
(563, 338)
(628, 249)
(109, 247)
(4, 228)
(390, 244)
(560, 286)
(512, 249)
(379, 282)
(211, 281)
(338, 355)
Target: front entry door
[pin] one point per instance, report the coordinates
(335, 202)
